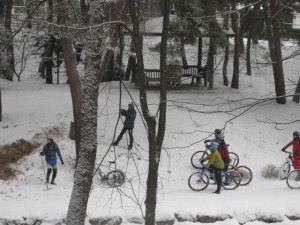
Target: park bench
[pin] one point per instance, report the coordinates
(175, 73)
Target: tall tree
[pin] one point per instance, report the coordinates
(66, 40)
(10, 47)
(226, 53)
(296, 97)
(89, 107)
(273, 11)
(97, 57)
(155, 138)
(0, 106)
(236, 59)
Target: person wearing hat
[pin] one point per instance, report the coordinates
(215, 163)
(296, 149)
(130, 115)
(50, 150)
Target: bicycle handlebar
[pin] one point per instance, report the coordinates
(290, 153)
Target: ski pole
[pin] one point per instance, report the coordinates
(47, 188)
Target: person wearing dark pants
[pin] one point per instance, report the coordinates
(50, 150)
(216, 163)
(130, 115)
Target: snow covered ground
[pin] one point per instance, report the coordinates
(31, 107)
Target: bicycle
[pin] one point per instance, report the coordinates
(293, 179)
(114, 178)
(244, 171)
(199, 181)
(286, 166)
(199, 155)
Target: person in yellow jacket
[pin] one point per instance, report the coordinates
(215, 163)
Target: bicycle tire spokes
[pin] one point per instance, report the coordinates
(234, 159)
(196, 159)
(115, 178)
(198, 181)
(231, 180)
(246, 174)
(284, 170)
(293, 179)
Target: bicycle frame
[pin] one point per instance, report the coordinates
(285, 168)
(290, 159)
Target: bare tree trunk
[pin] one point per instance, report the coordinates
(296, 98)
(199, 52)
(0, 106)
(49, 57)
(10, 47)
(273, 31)
(248, 55)
(182, 52)
(50, 11)
(211, 62)
(236, 60)
(96, 61)
(155, 142)
(88, 141)
(226, 54)
(72, 73)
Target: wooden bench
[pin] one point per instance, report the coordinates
(195, 72)
(175, 72)
(173, 75)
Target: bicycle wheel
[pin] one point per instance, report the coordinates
(246, 174)
(293, 179)
(284, 170)
(235, 160)
(115, 178)
(198, 181)
(231, 180)
(196, 159)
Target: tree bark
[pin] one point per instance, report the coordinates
(0, 106)
(272, 12)
(296, 97)
(10, 47)
(69, 55)
(49, 57)
(96, 61)
(211, 62)
(236, 60)
(248, 55)
(182, 52)
(199, 52)
(155, 141)
(226, 54)
(88, 140)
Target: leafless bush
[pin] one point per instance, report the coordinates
(270, 171)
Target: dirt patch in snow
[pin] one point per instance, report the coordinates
(13, 152)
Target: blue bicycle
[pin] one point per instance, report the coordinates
(199, 181)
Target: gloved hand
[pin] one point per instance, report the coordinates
(206, 141)
(283, 149)
(62, 163)
(42, 154)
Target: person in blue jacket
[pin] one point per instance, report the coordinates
(50, 150)
(130, 115)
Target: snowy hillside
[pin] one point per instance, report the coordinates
(32, 110)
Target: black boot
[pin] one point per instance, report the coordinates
(115, 143)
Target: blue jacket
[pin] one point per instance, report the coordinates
(130, 115)
(50, 151)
